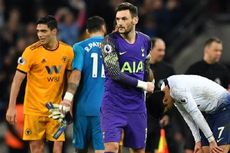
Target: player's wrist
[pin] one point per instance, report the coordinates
(197, 139)
(142, 84)
(68, 96)
(211, 138)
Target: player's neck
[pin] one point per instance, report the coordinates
(130, 37)
(96, 34)
(52, 45)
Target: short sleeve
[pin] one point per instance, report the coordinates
(78, 60)
(25, 61)
(71, 56)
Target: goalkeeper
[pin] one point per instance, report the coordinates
(88, 76)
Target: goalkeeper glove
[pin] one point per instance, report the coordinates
(64, 109)
(56, 115)
(54, 111)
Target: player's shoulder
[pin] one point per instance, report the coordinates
(178, 79)
(65, 47)
(178, 84)
(34, 46)
(143, 36)
(111, 39)
(112, 36)
(79, 45)
(88, 41)
(61, 43)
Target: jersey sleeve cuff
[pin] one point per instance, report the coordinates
(22, 71)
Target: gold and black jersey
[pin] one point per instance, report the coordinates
(45, 71)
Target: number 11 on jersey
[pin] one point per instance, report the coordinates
(95, 70)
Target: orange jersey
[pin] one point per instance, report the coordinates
(45, 75)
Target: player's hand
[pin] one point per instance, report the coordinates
(214, 148)
(11, 115)
(55, 113)
(198, 147)
(65, 106)
(150, 87)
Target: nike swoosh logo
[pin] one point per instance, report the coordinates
(218, 140)
(122, 53)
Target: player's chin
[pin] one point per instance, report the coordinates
(121, 31)
(42, 41)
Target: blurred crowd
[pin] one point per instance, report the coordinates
(18, 17)
(18, 28)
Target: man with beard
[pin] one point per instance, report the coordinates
(123, 106)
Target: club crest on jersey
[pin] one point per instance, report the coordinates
(217, 80)
(64, 59)
(103, 135)
(43, 60)
(107, 48)
(183, 101)
(142, 51)
(21, 61)
(28, 131)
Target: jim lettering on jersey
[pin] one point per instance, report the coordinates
(131, 67)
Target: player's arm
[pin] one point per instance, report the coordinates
(194, 129)
(197, 116)
(191, 124)
(15, 87)
(73, 82)
(202, 124)
(192, 114)
(189, 105)
(111, 62)
(74, 78)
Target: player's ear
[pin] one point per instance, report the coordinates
(87, 31)
(135, 19)
(54, 31)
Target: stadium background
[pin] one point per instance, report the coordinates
(183, 24)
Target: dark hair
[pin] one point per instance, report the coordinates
(49, 20)
(128, 6)
(94, 24)
(154, 40)
(211, 40)
(166, 82)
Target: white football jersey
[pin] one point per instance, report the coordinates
(193, 94)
